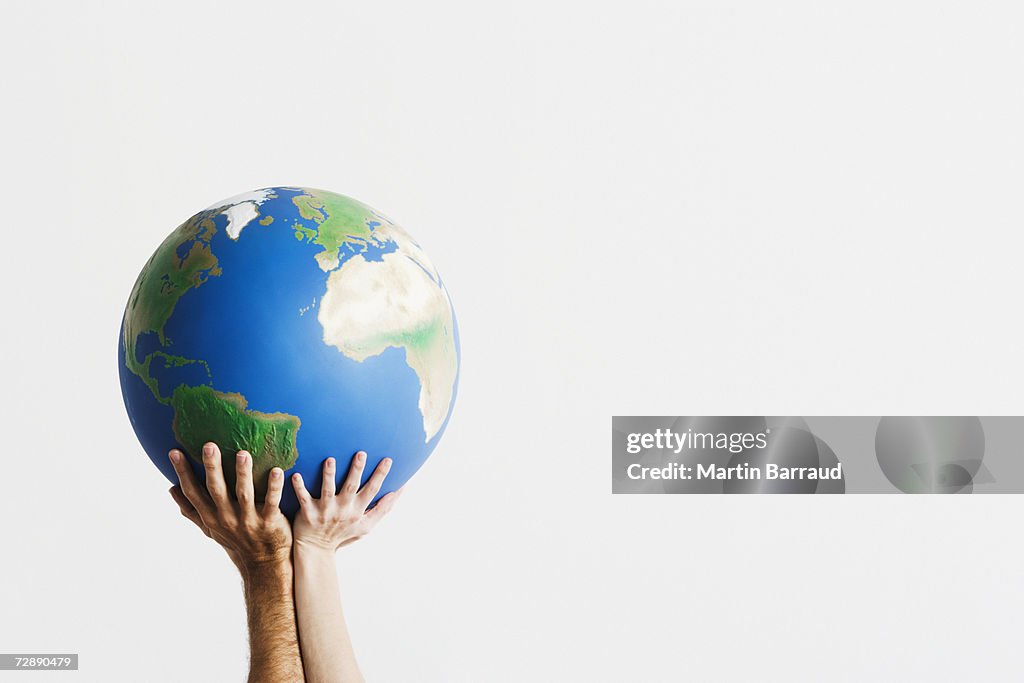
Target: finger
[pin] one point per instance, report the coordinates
(243, 484)
(187, 510)
(374, 483)
(355, 475)
(215, 475)
(300, 491)
(275, 486)
(385, 505)
(190, 487)
(327, 488)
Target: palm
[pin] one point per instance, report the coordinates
(339, 518)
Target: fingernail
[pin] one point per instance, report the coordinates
(330, 462)
(361, 456)
(297, 477)
(175, 457)
(276, 472)
(387, 462)
(240, 458)
(208, 449)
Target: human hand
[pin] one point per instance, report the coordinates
(335, 520)
(251, 537)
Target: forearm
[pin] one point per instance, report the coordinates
(273, 635)
(327, 652)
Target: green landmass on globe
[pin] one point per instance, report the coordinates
(202, 414)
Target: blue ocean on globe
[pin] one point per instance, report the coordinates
(296, 324)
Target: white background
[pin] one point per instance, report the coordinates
(639, 208)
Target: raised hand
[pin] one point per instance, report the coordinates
(339, 518)
(321, 527)
(250, 535)
(258, 539)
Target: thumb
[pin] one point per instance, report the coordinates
(187, 509)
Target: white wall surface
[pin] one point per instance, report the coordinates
(639, 208)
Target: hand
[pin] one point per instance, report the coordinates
(337, 520)
(251, 537)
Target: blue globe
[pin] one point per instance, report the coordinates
(295, 324)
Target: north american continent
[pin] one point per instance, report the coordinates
(202, 414)
(164, 279)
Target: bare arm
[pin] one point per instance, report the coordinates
(273, 638)
(322, 526)
(325, 640)
(258, 541)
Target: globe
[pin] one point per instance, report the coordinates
(295, 324)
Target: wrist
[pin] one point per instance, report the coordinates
(311, 551)
(312, 548)
(268, 566)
